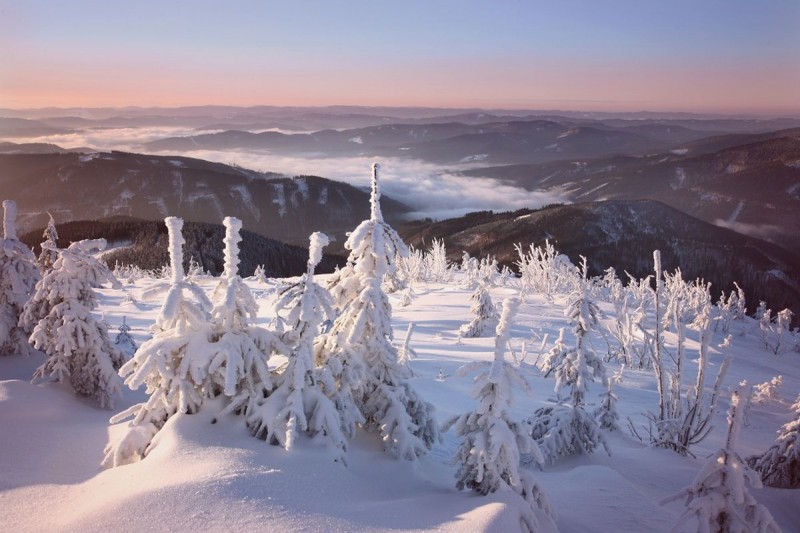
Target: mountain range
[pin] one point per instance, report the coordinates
(74, 186)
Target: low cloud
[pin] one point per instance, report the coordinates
(429, 189)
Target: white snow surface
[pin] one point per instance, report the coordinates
(216, 477)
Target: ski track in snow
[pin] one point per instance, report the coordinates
(216, 477)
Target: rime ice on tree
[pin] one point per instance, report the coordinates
(372, 386)
(567, 428)
(49, 252)
(489, 456)
(18, 277)
(59, 315)
(173, 364)
(299, 403)
(718, 498)
(779, 466)
(484, 314)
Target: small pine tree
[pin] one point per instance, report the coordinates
(372, 386)
(60, 317)
(18, 278)
(718, 498)
(238, 368)
(484, 314)
(567, 428)
(607, 414)
(124, 341)
(49, 254)
(779, 466)
(489, 455)
(173, 364)
(299, 402)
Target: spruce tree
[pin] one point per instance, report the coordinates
(49, 254)
(484, 313)
(489, 455)
(372, 386)
(18, 278)
(299, 403)
(59, 316)
(718, 498)
(779, 466)
(567, 428)
(173, 365)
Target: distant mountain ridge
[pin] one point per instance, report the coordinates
(623, 234)
(94, 186)
(752, 187)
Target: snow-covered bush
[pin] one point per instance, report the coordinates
(566, 428)
(299, 402)
(18, 277)
(773, 329)
(489, 455)
(684, 416)
(173, 365)
(59, 316)
(372, 386)
(719, 499)
(484, 314)
(768, 391)
(779, 466)
(437, 268)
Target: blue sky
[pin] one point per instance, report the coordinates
(735, 56)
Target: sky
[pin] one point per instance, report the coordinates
(719, 56)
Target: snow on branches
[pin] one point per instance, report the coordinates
(718, 498)
(779, 466)
(18, 277)
(489, 455)
(566, 428)
(371, 385)
(300, 401)
(59, 316)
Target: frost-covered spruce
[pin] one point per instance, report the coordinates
(489, 456)
(299, 403)
(60, 318)
(173, 365)
(606, 413)
(18, 277)
(567, 429)
(124, 341)
(719, 499)
(484, 314)
(779, 466)
(372, 386)
(238, 368)
(49, 254)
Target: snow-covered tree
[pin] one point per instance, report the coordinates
(489, 455)
(567, 428)
(59, 315)
(299, 403)
(124, 341)
(173, 365)
(719, 499)
(238, 368)
(18, 277)
(484, 314)
(779, 466)
(606, 413)
(49, 254)
(372, 386)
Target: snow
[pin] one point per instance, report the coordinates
(474, 158)
(736, 212)
(216, 477)
(680, 178)
(680, 151)
(280, 198)
(357, 140)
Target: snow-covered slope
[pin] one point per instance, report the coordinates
(216, 477)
